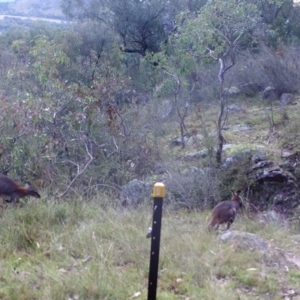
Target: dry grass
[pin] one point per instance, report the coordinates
(80, 251)
(256, 115)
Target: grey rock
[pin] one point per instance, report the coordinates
(258, 156)
(134, 192)
(232, 91)
(178, 141)
(269, 93)
(196, 155)
(233, 108)
(287, 99)
(244, 240)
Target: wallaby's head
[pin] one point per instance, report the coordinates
(237, 198)
(30, 191)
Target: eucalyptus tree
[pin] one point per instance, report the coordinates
(215, 35)
(280, 20)
(142, 25)
(272, 9)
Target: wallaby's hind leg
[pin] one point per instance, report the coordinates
(231, 220)
(228, 224)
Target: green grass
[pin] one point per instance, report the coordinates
(81, 251)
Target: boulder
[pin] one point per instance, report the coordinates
(258, 156)
(269, 93)
(134, 192)
(287, 99)
(196, 155)
(178, 140)
(274, 174)
(232, 91)
(234, 108)
(243, 240)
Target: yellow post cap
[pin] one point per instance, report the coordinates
(159, 190)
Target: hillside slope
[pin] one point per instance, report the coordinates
(34, 8)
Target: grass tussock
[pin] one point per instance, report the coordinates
(82, 251)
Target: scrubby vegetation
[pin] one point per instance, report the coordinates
(86, 108)
(201, 95)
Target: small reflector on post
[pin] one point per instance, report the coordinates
(159, 190)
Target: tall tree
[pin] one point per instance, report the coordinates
(141, 24)
(280, 19)
(215, 34)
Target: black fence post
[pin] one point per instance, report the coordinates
(158, 195)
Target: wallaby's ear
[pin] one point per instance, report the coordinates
(235, 193)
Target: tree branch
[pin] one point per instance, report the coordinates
(78, 169)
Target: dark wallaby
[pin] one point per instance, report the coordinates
(8, 187)
(225, 211)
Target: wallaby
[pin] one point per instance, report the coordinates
(8, 187)
(225, 211)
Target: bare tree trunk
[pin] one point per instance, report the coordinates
(181, 116)
(181, 123)
(219, 129)
(221, 113)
